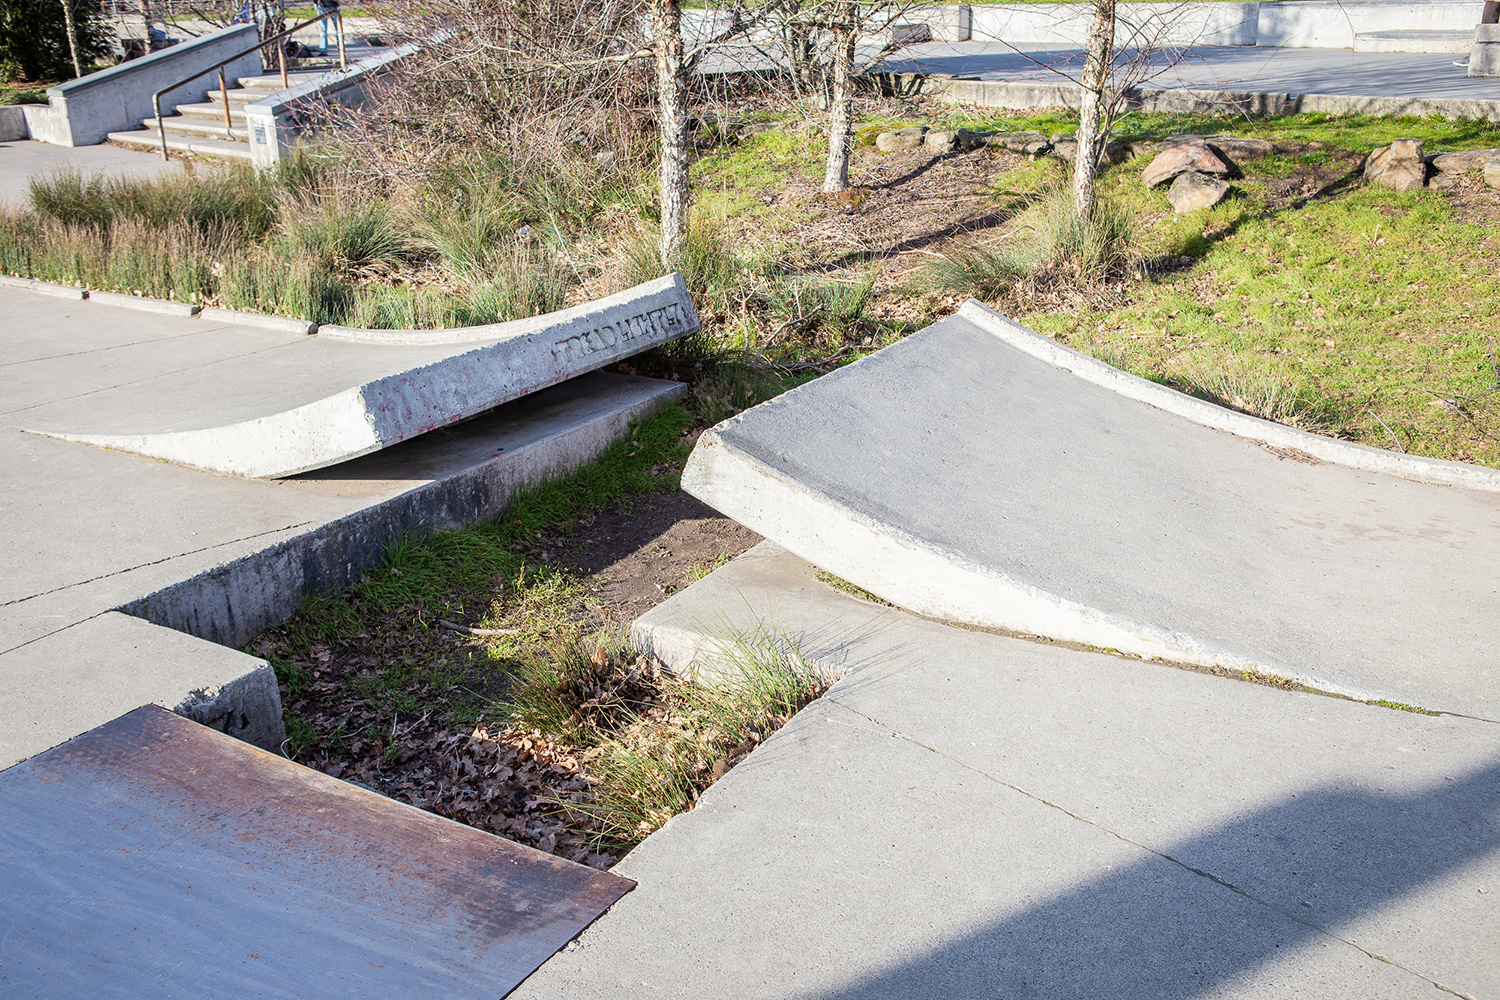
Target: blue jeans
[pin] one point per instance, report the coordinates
(323, 27)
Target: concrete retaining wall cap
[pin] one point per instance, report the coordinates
(43, 287)
(280, 324)
(163, 306)
(1346, 453)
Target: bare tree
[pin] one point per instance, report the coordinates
(1095, 117)
(845, 29)
(67, 6)
(671, 114)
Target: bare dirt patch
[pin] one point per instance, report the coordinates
(637, 557)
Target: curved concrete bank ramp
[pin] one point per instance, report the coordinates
(979, 473)
(260, 404)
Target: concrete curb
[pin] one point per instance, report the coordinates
(43, 287)
(1355, 456)
(278, 324)
(165, 307)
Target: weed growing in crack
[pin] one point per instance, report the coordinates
(651, 742)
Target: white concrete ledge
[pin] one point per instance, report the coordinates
(416, 391)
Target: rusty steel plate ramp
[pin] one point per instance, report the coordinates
(156, 857)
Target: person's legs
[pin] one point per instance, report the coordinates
(323, 30)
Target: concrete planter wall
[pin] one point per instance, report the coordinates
(1067, 25)
(83, 112)
(1325, 24)
(277, 121)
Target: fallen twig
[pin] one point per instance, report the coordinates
(467, 630)
(1389, 431)
(803, 364)
(789, 325)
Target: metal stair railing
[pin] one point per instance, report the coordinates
(224, 85)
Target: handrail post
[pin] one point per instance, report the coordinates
(224, 93)
(281, 55)
(343, 56)
(161, 129)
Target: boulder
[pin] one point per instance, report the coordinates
(1113, 152)
(945, 140)
(902, 140)
(1193, 155)
(1030, 143)
(1445, 182)
(1463, 161)
(1492, 173)
(1398, 166)
(1228, 147)
(1193, 190)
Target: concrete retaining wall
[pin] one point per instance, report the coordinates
(1288, 23)
(83, 112)
(276, 122)
(1327, 24)
(1067, 25)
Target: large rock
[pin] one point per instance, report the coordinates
(1228, 147)
(1030, 143)
(1463, 161)
(1066, 147)
(947, 140)
(1192, 191)
(1192, 155)
(902, 140)
(1492, 173)
(1398, 166)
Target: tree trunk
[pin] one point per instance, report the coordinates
(148, 45)
(841, 112)
(1093, 128)
(67, 6)
(671, 88)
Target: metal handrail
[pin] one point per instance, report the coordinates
(223, 84)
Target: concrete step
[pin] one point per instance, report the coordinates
(212, 111)
(198, 127)
(1414, 41)
(271, 82)
(151, 139)
(242, 95)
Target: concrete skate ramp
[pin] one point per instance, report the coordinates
(153, 856)
(980, 473)
(262, 404)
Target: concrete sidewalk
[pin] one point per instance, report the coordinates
(969, 815)
(23, 160)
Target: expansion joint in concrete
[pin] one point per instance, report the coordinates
(1200, 872)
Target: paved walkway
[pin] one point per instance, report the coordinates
(23, 160)
(970, 815)
(1227, 68)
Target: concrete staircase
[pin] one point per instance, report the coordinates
(199, 129)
